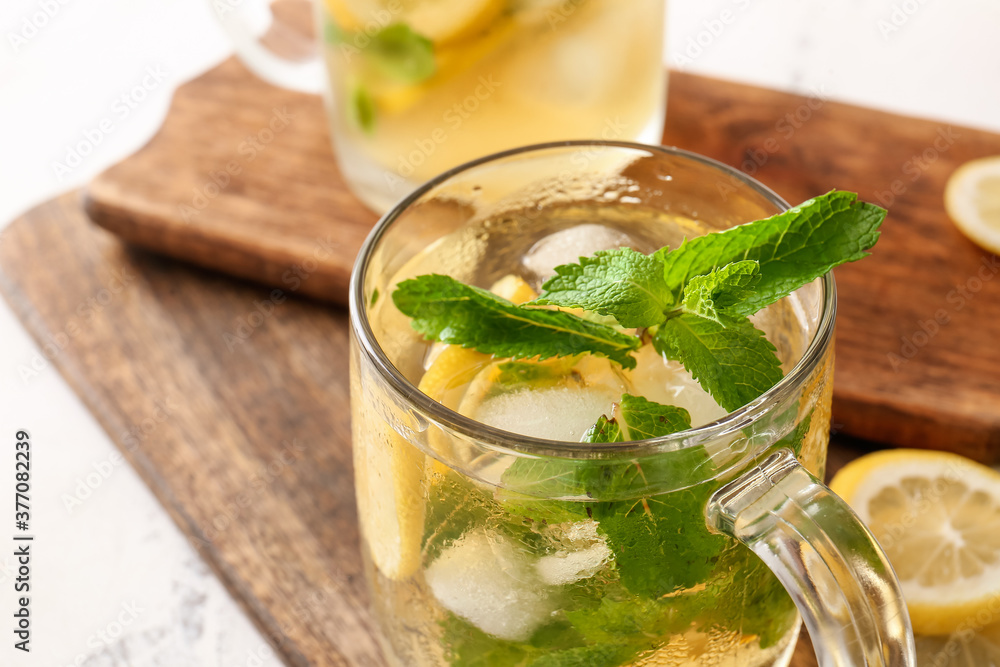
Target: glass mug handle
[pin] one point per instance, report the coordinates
(827, 560)
(245, 21)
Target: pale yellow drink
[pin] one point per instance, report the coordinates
(420, 86)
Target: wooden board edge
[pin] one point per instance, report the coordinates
(32, 320)
(327, 282)
(878, 422)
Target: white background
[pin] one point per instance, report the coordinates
(118, 550)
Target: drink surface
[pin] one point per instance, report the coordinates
(420, 86)
(481, 558)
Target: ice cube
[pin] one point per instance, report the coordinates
(567, 246)
(586, 552)
(667, 382)
(484, 579)
(555, 413)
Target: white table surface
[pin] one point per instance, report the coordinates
(113, 580)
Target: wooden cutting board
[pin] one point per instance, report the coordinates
(241, 179)
(251, 455)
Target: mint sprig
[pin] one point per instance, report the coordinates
(692, 301)
(793, 247)
(446, 310)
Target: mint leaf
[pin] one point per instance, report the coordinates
(446, 310)
(468, 646)
(721, 289)
(793, 247)
(643, 418)
(605, 430)
(730, 358)
(622, 283)
(362, 109)
(746, 597)
(630, 618)
(537, 375)
(401, 54)
(661, 543)
(646, 419)
(597, 655)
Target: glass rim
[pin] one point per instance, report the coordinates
(509, 441)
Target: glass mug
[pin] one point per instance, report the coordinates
(471, 565)
(415, 87)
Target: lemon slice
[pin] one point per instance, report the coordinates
(393, 474)
(972, 199)
(344, 16)
(937, 515)
(447, 21)
(389, 474)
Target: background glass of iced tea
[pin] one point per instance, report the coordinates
(414, 87)
(482, 544)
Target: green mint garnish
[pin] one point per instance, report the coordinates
(694, 300)
(622, 283)
(605, 430)
(643, 419)
(730, 357)
(446, 310)
(362, 109)
(646, 419)
(793, 247)
(401, 54)
(721, 290)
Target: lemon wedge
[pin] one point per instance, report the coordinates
(972, 199)
(389, 474)
(394, 475)
(937, 515)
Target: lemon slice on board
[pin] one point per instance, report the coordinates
(972, 199)
(937, 515)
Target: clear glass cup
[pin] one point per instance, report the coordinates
(414, 87)
(712, 542)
